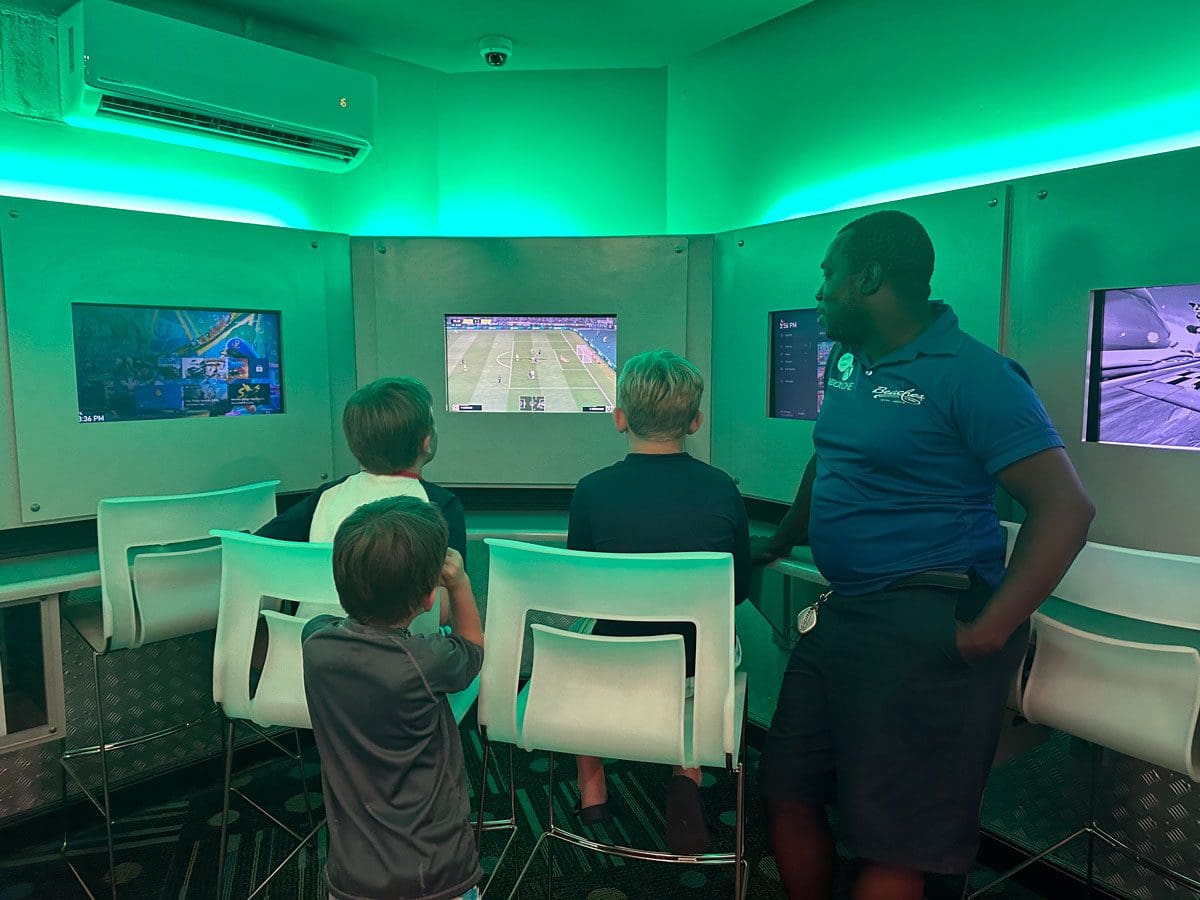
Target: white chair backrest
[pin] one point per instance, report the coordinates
(429, 622)
(1139, 584)
(1142, 700)
(150, 592)
(254, 568)
(626, 696)
(677, 587)
(1011, 529)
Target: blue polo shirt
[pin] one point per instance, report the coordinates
(907, 450)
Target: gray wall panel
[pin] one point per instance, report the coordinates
(776, 267)
(339, 332)
(10, 498)
(56, 254)
(418, 280)
(1120, 225)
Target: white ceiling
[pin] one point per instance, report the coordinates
(567, 34)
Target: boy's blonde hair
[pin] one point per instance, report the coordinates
(660, 392)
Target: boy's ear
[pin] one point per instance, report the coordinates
(696, 423)
(620, 420)
(427, 603)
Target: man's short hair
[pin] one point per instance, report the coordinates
(899, 244)
(387, 557)
(386, 423)
(660, 393)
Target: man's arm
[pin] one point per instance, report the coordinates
(793, 529)
(1058, 513)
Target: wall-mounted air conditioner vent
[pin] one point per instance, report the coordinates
(137, 110)
(136, 72)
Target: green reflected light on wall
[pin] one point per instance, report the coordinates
(143, 188)
(507, 213)
(1143, 131)
(45, 160)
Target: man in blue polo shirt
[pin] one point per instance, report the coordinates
(892, 701)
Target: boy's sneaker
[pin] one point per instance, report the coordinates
(687, 832)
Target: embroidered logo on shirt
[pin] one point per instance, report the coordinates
(908, 397)
(845, 367)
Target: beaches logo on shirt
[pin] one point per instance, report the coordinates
(908, 396)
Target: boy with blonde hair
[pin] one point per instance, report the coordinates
(659, 499)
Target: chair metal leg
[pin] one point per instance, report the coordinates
(112, 866)
(223, 846)
(303, 778)
(509, 824)
(516, 888)
(741, 871)
(301, 844)
(549, 848)
(483, 776)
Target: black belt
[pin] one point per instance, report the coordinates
(953, 581)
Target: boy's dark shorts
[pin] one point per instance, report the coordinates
(880, 715)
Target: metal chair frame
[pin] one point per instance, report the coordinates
(1093, 831)
(737, 858)
(227, 735)
(103, 803)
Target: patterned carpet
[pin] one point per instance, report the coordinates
(167, 846)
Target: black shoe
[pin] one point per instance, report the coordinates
(687, 832)
(590, 815)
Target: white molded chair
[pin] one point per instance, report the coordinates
(1117, 664)
(159, 579)
(258, 573)
(612, 696)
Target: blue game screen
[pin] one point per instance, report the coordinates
(149, 362)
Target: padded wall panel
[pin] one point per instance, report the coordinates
(56, 255)
(1125, 224)
(776, 267)
(413, 282)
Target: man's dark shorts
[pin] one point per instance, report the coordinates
(880, 715)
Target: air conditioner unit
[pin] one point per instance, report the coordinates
(135, 72)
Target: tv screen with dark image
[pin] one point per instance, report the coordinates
(535, 364)
(1144, 367)
(153, 362)
(799, 351)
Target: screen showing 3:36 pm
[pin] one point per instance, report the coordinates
(799, 351)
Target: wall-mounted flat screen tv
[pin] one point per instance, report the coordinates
(533, 364)
(1144, 367)
(799, 350)
(164, 362)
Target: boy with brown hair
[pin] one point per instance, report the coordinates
(390, 430)
(391, 758)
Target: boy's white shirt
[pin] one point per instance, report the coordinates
(339, 501)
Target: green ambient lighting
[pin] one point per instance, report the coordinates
(1142, 131)
(503, 213)
(67, 173)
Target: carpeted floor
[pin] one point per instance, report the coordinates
(167, 847)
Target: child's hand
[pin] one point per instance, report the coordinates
(453, 574)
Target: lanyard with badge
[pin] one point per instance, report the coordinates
(806, 620)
